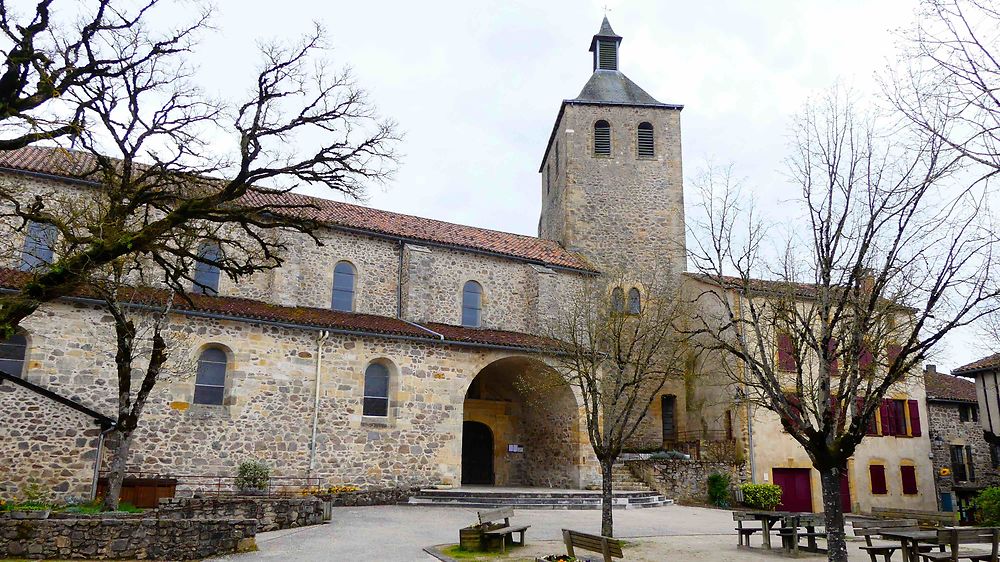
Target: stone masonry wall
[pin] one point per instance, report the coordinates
(945, 423)
(271, 514)
(44, 441)
(112, 538)
(684, 480)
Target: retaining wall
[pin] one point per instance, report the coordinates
(683, 480)
(271, 514)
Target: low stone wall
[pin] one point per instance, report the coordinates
(271, 514)
(383, 496)
(116, 538)
(683, 480)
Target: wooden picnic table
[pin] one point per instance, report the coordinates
(767, 520)
(910, 541)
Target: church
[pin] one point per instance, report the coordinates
(388, 356)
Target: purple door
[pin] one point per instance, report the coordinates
(796, 493)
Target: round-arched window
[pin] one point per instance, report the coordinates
(376, 399)
(618, 300)
(344, 275)
(472, 304)
(210, 383)
(634, 301)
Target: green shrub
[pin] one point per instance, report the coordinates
(667, 455)
(253, 475)
(987, 505)
(761, 496)
(718, 489)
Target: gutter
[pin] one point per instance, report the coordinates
(320, 340)
(98, 462)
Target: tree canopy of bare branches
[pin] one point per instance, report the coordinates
(617, 356)
(891, 254)
(157, 183)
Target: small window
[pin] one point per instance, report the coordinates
(634, 301)
(344, 276)
(206, 271)
(376, 400)
(968, 413)
(994, 455)
(210, 383)
(607, 55)
(908, 474)
(12, 353)
(472, 304)
(962, 469)
(602, 138)
(646, 147)
(39, 246)
(876, 473)
(618, 300)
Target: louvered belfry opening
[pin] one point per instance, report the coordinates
(602, 138)
(607, 55)
(646, 147)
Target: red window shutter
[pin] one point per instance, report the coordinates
(795, 404)
(872, 428)
(885, 413)
(892, 351)
(786, 353)
(865, 359)
(914, 417)
(877, 474)
(909, 477)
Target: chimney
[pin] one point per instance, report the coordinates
(930, 368)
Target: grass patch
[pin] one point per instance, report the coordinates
(458, 553)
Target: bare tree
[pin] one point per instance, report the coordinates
(153, 175)
(890, 255)
(47, 64)
(617, 351)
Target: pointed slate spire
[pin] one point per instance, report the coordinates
(604, 45)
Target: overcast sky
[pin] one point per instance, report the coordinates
(475, 86)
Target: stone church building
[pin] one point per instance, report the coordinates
(389, 355)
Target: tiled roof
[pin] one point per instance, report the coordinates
(806, 290)
(70, 164)
(948, 387)
(984, 364)
(318, 318)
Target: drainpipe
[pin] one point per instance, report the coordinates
(320, 340)
(399, 282)
(97, 463)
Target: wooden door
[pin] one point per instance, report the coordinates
(845, 492)
(668, 407)
(796, 491)
(477, 453)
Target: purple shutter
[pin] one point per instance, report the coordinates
(914, 417)
(885, 412)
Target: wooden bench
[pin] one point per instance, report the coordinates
(489, 522)
(791, 534)
(744, 533)
(956, 537)
(868, 528)
(925, 519)
(609, 547)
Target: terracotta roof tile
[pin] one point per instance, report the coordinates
(984, 364)
(949, 387)
(320, 318)
(71, 165)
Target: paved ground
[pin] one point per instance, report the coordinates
(399, 534)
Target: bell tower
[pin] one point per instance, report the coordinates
(612, 186)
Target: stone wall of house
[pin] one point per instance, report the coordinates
(946, 424)
(268, 406)
(271, 514)
(374, 496)
(115, 538)
(45, 442)
(684, 480)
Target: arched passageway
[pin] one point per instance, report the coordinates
(533, 423)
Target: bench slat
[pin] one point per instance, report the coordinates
(495, 515)
(594, 543)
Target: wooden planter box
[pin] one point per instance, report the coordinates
(471, 538)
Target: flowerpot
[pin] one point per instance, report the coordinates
(30, 514)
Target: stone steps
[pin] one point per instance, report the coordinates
(575, 499)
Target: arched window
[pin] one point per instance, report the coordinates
(376, 391)
(210, 383)
(39, 246)
(634, 301)
(646, 148)
(472, 304)
(618, 300)
(13, 350)
(343, 286)
(602, 138)
(206, 274)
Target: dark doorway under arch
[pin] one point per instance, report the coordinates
(477, 453)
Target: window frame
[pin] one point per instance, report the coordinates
(199, 373)
(633, 301)
(365, 396)
(354, 286)
(39, 246)
(618, 300)
(477, 309)
(23, 361)
(211, 251)
(638, 141)
(610, 142)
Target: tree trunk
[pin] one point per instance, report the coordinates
(607, 498)
(834, 512)
(117, 473)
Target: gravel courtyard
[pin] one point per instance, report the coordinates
(400, 533)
